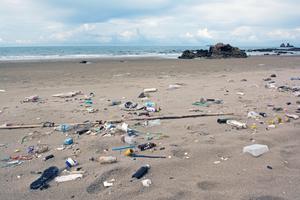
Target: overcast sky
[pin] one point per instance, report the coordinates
(149, 22)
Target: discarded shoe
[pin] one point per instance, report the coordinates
(47, 176)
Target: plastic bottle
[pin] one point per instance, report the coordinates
(141, 172)
(236, 124)
(148, 145)
(71, 163)
(222, 121)
(68, 141)
(48, 157)
(107, 159)
(150, 90)
(64, 128)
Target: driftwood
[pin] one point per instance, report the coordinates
(120, 121)
(179, 116)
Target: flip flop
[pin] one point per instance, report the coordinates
(47, 176)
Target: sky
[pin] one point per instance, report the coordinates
(149, 22)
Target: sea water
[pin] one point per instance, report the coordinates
(86, 52)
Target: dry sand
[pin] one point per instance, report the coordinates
(203, 140)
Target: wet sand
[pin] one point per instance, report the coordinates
(192, 147)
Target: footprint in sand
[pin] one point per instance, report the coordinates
(291, 155)
(267, 197)
(97, 185)
(207, 185)
(178, 195)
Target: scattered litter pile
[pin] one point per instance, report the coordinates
(132, 143)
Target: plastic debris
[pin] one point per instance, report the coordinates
(71, 163)
(68, 141)
(148, 90)
(115, 103)
(64, 128)
(295, 78)
(141, 172)
(256, 149)
(48, 157)
(174, 86)
(146, 146)
(122, 148)
(67, 94)
(237, 124)
(143, 95)
(292, 116)
(88, 102)
(146, 182)
(130, 152)
(33, 98)
(131, 106)
(91, 110)
(131, 140)
(222, 120)
(109, 183)
(207, 102)
(254, 115)
(11, 163)
(107, 159)
(70, 177)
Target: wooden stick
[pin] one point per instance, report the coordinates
(180, 116)
(120, 121)
(22, 126)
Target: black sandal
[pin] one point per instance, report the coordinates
(47, 176)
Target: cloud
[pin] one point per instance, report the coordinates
(285, 33)
(204, 33)
(23, 42)
(162, 22)
(127, 35)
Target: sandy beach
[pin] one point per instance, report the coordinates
(204, 159)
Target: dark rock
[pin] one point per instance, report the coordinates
(273, 75)
(266, 50)
(289, 45)
(83, 62)
(202, 53)
(219, 50)
(282, 45)
(187, 54)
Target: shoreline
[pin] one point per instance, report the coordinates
(130, 58)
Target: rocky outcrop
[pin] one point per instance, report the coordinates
(288, 45)
(219, 50)
(188, 54)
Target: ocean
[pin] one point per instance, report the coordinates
(86, 52)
